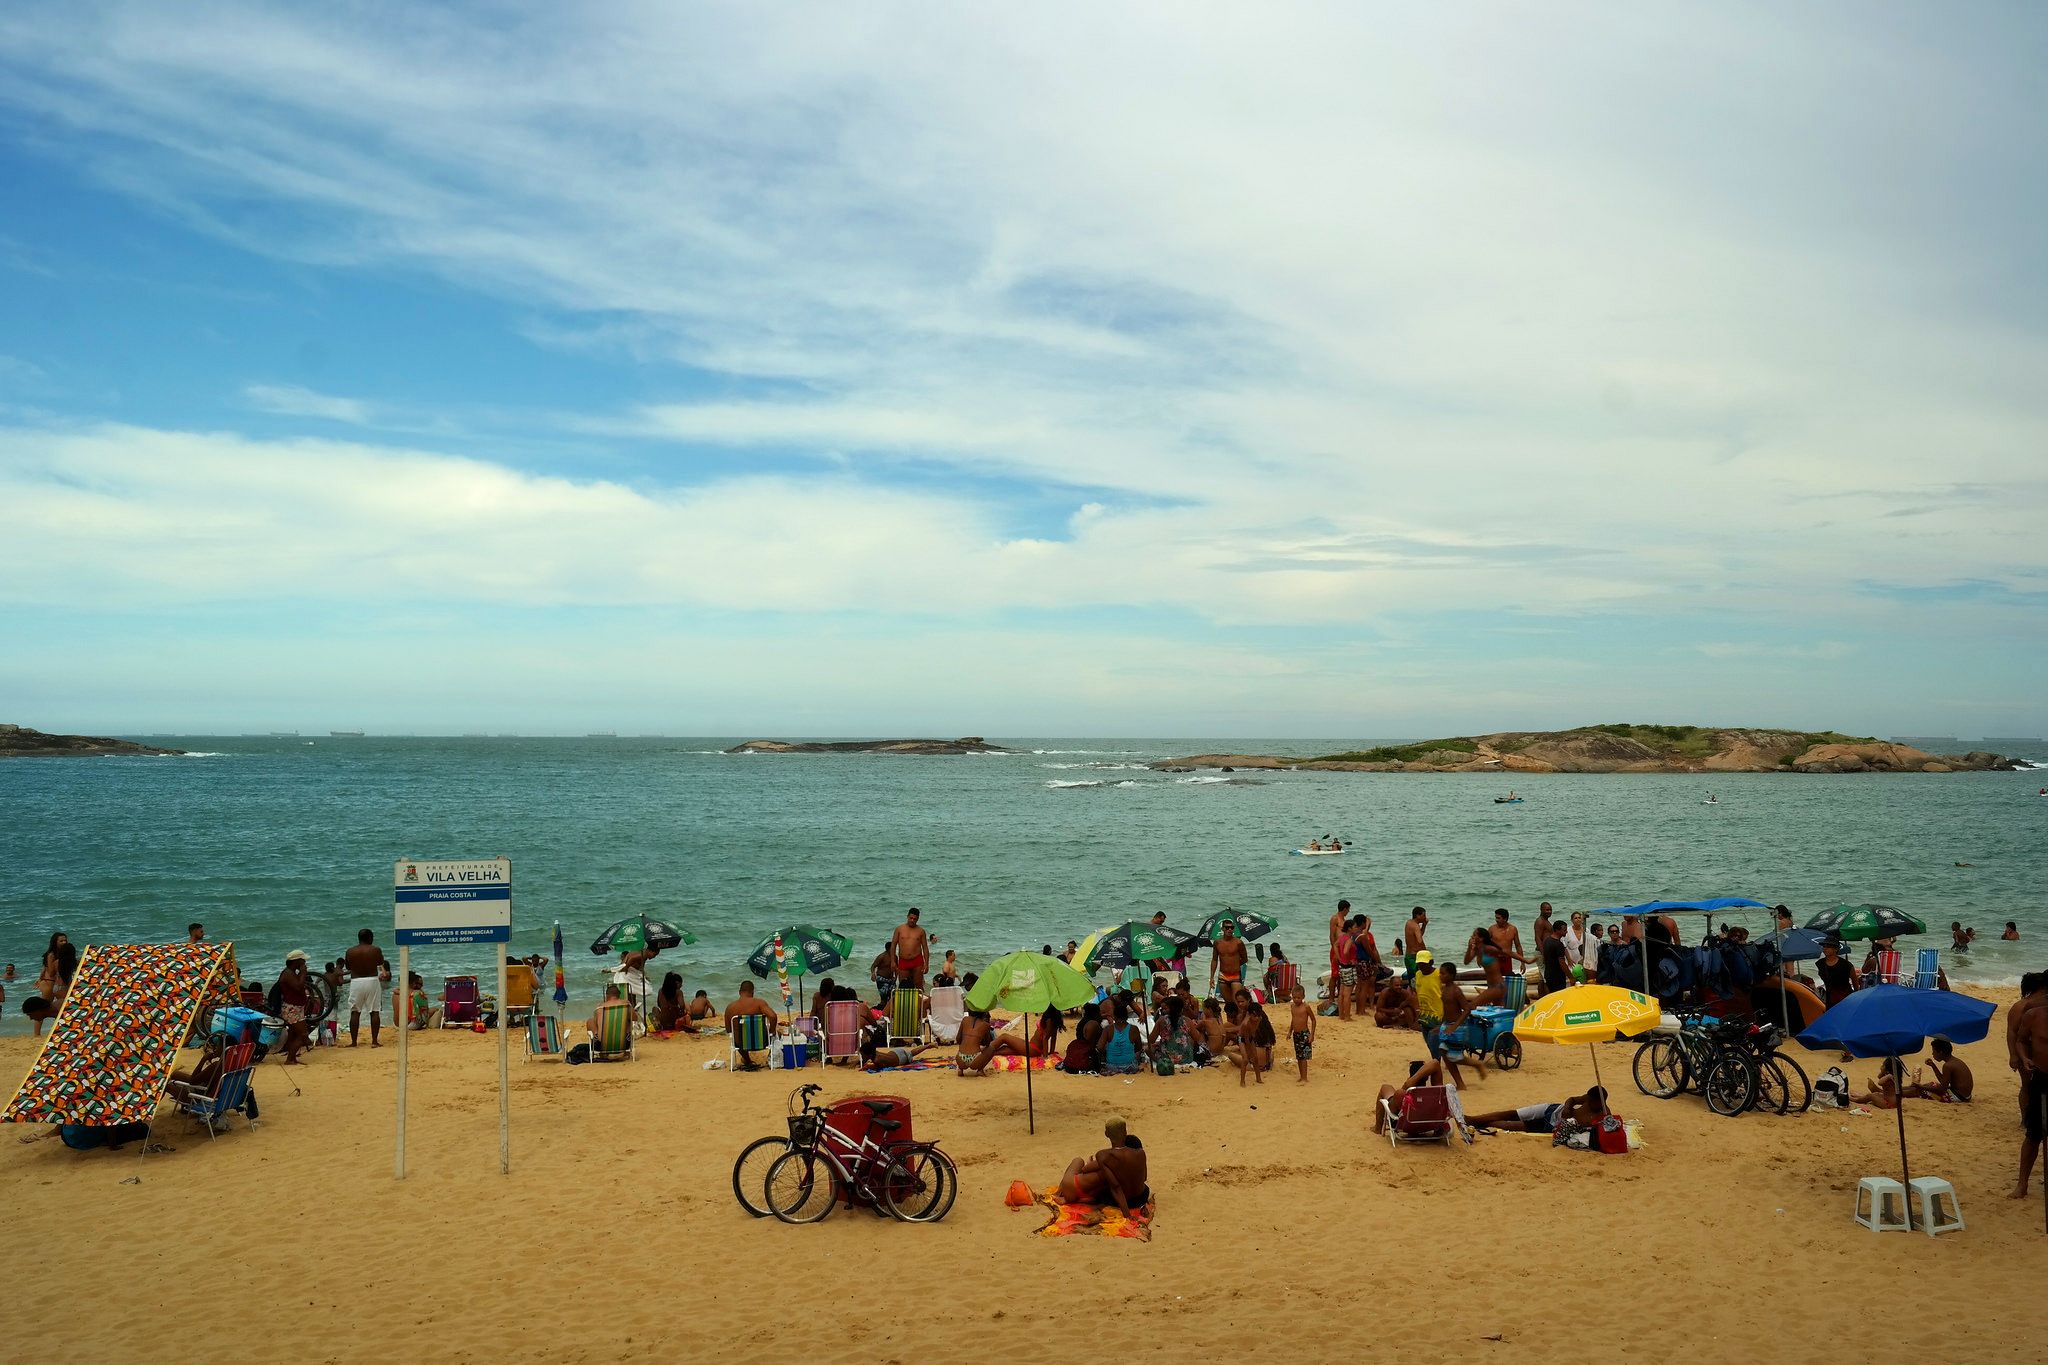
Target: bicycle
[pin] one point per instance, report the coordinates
(1734, 1064)
(914, 1182)
(750, 1169)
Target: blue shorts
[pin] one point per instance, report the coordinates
(1433, 1038)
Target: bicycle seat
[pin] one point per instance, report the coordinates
(878, 1107)
(885, 1125)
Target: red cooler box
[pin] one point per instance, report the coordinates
(850, 1118)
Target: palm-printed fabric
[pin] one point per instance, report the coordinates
(111, 1051)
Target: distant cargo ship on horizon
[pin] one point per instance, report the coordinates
(346, 734)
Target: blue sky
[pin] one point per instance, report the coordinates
(1167, 370)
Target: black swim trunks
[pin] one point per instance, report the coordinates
(2034, 1106)
(1303, 1047)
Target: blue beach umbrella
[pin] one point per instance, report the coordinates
(1893, 1022)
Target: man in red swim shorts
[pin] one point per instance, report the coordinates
(910, 945)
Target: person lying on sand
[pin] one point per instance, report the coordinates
(1044, 1042)
(1952, 1082)
(877, 1055)
(1586, 1110)
(1116, 1174)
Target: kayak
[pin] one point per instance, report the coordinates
(1317, 852)
(1509, 800)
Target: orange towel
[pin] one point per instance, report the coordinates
(1098, 1220)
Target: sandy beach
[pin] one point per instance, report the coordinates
(1282, 1223)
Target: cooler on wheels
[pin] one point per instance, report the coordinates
(849, 1119)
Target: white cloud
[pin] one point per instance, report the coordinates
(1358, 315)
(289, 400)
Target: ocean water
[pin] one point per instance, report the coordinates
(283, 843)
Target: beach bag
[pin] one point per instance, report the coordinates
(1577, 1136)
(577, 1055)
(1162, 1065)
(1611, 1137)
(1831, 1089)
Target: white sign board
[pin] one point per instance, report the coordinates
(463, 901)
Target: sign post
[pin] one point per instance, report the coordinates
(447, 903)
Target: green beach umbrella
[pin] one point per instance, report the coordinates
(641, 931)
(1866, 921)
(1136, 941)
(807, 949)
(1250, 925)
(1030, 983)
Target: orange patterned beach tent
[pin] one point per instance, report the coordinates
(114, 1043)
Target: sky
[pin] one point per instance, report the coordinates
(1152, 369)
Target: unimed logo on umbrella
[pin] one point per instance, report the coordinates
(1583, 1017)
(1023, 978)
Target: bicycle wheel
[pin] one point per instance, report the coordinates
(1507, 1052)
(1730, 1085)
(920, 1184)
(1660, 1068)
(750, 1173)
(1782, 1086)
(802, 1187)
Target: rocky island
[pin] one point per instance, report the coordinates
(971, 744)
(1627, 749)
(18, 741)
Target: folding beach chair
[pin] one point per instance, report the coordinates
(1927, 969)
(459, 1002)
(1432, 1115)
(613, 1041)
(1887, 972)
(1285, 978)
(230, 1092)
(906, 1015)
(543, 1036)
(750, 1033)
(842, 1030)
(945, 1008)
(522, 983)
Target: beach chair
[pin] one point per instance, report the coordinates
(230, 1092)
(1887, 972)
(1433, 1115)
(906, 1015)
(945, 1009)
(1286, 976)
(842, 1030)
(460, 1002)
(750, 1033)
(543, 1036)
(613, 1041)
(1927, 969)
(522, 983)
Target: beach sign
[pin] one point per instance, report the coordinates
(436, 904)
(441, 903)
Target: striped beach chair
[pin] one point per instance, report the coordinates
(1887, 972)
(1284, 978)
(749, 1034)
(842, 1031)
(613, 1041)
(543, 1036)
(1927, 969)
(1514, 991)
(906, 1015)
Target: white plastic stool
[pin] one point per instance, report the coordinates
(1927, 1191)
(1880, 1216)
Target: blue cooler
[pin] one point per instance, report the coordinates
(795, 1052)
(231, 1020)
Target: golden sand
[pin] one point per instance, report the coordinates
(1283, 1225)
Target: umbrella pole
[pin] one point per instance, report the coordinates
(1595, 1050)
(1030, 1105)
(1905, 1173)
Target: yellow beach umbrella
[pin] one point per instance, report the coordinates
(1587, 1014)
(1088, 946)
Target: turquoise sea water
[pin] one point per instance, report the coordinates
(282, 843)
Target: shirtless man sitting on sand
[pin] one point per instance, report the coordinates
(1395, 1007)
(1586, 1110)
(1116, 1174)
(910, 947)
(1953, 1082)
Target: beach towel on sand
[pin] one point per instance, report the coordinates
(1096, 1220)
(1010, 1062)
